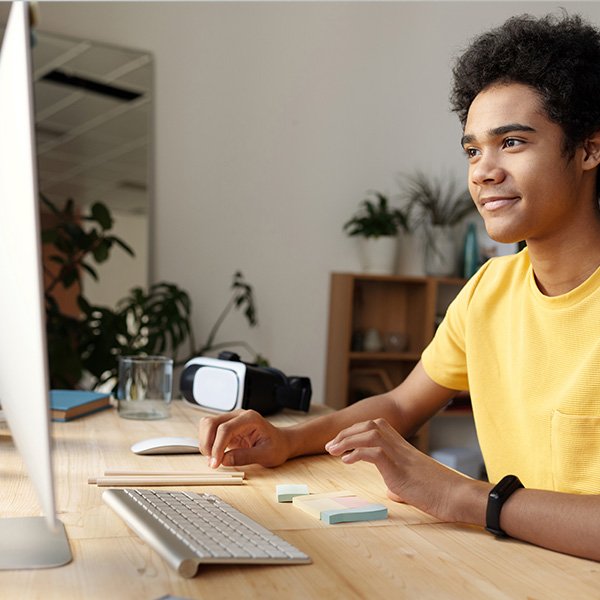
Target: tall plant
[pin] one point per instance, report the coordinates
(435, 201)
(242, 298)
(438, 205)
(153, 321)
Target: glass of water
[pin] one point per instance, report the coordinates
(144, 390)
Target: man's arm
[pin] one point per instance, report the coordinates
(244, 437)
(567, 523)
(406, 408)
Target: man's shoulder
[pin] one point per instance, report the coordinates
(513, 266)
(500, 275)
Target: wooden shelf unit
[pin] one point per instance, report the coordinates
(410, 305)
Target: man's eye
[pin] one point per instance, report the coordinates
(512, 142)
(471, 152)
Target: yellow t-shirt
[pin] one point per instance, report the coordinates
(532, 365)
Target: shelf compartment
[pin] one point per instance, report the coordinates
(385, 356)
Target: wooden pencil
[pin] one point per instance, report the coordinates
(121, 472)
(157, 480)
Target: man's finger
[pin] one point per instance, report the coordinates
(359, 439)
(244, 456)
(375, 455)
(344, 434)
(207, 430)
(239, 425)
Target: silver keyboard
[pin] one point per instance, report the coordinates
(189, 529)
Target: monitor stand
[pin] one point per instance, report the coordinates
(29, 543)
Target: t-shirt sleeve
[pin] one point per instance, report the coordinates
(445, 358)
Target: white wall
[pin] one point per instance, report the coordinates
(272, 121)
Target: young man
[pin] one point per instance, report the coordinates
(522, 335)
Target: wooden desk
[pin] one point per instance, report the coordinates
(409, 555)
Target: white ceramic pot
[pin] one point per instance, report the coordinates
(440, 251)
(378, 255)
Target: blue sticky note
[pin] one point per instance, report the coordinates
(369, 512)
(287, 492)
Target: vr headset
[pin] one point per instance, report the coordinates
(226, 383)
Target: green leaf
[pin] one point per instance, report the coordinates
(123, 245)
(49, 236)
(69, 277)
(69, 209)
(102, 215)
(46, 202)
(83, 304)
(101, 251)
(90, 270)
(375, 218)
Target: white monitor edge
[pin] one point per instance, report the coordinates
(28, 542)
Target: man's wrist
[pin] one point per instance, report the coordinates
(306, 438)
(470, 501)
(294, 436)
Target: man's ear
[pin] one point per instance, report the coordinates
(591, 151)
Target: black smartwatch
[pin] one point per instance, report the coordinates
(500, 493)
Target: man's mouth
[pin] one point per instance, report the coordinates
(492, 203)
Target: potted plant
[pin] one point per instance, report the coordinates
(438, 205)
(376, 225)
(88, 341)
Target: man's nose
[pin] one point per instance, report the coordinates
(487, 170)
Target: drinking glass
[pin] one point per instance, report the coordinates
(144, 390)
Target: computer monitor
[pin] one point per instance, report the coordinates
(25, 542)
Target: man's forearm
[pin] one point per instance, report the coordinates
(311, 436)
(567, 523)
(405, 408)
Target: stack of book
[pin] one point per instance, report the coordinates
(66, 405)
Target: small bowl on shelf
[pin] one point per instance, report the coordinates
(395, 341)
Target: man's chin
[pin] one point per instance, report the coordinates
(502, 235)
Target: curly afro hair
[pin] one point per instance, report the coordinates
(558, 56)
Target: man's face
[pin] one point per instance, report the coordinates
(523, 185)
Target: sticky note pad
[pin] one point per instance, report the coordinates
(369, 512)
(287, 492)
(340, 507)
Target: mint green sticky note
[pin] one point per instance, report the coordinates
(285, 492)
(369, 512)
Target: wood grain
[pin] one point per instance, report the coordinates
(408, 555)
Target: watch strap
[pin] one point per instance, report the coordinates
(499, 494)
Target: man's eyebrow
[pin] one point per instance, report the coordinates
(502, 130)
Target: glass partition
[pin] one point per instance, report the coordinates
(94, 132)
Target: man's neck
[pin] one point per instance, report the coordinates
(561, 265)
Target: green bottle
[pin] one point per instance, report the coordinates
(471, 258)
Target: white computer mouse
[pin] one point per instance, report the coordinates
(167, 445)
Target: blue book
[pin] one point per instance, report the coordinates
(66, 405)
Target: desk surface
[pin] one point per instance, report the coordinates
(409, 555)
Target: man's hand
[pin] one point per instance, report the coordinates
(242, 437)
(410, 475)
